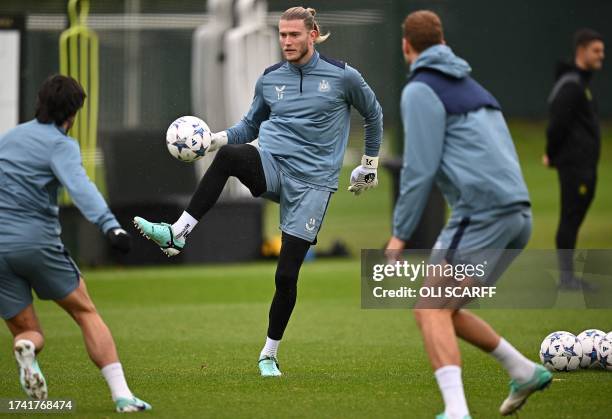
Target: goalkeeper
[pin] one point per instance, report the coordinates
(301, 113)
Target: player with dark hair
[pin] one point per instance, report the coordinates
(573, 143)
(36, 158)
(455, 135)
(301, 114)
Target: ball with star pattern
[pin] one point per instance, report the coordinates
(561, 351)
(188, 138)
(589, 339)
(604, 352)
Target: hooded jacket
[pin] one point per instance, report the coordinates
(573, 136)
(454, 135)
(35, 160)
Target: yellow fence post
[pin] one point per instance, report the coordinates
(79, 59)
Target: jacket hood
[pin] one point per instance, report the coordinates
(564, 67)
(442, 58)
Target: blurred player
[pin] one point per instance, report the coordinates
(573, 146)
(301, 113)
(35, 159)
(456, 136)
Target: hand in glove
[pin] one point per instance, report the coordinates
(217, 140)
(364, 176)
(119, 239)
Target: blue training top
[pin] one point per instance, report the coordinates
(454, 135)
(302, 115)
(35, 159)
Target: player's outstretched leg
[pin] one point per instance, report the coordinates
(239, 160)
(30, 376)
(101, 348)
(526, 376)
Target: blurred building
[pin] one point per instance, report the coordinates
(145, 48)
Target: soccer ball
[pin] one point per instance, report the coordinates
(561, 351)
(188, 138)
(604, 353)
(589, 339)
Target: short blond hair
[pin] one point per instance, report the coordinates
(308, 16)
(423, 29)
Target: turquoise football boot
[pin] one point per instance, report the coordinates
(444, 416)
(268, 366)
(161, 234)
(30, 376)
(123, 405)
(520, 392)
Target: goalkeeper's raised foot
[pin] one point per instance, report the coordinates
(161, 234)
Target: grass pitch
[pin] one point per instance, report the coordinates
(189, 337)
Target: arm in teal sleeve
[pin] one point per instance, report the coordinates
(66, 165)
(424, 120)
(361, 96)
(248, 128)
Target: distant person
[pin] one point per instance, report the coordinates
(36, 158)
(573, 143)
(455, 135)
(301, 113)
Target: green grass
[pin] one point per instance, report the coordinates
(189, 337)
(596, 232)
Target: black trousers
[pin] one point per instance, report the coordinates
(577, 193)
(243, 161)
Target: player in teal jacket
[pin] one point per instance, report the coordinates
(456, 136)
(35, 159)
(301, 114)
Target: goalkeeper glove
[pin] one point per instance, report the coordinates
(217, 140)
(119, 239)
(364, 176)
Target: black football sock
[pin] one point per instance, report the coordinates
(292, 254)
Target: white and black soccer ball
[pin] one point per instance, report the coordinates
(589, 340)
(188, 138)
(604, 353)
(561, 351)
